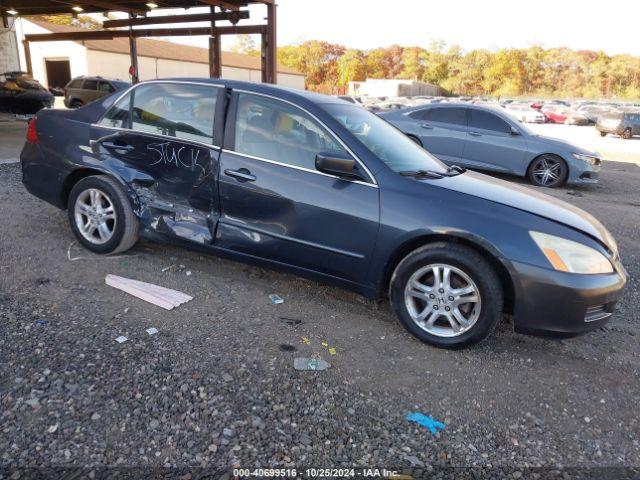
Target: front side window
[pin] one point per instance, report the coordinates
(384, 140)
(488, 121)
(273, 130)
(452, 115)
(420, 114)
(118, 114)
(175, 110)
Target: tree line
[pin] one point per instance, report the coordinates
(534, 71)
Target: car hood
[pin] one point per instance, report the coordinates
(528, 200)
(554, 142)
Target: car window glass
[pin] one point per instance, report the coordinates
(77, 83)
(90, 85)
(455, 116)
(176, 110)
(383, 140)
(420, 114)
(105, 87)
(118, 114)
(275, 130)
(488, 121)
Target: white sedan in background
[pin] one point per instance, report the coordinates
(525, 113)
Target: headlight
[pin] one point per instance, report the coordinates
(593, 160)
(568, 256)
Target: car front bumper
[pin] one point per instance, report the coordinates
(560, 304)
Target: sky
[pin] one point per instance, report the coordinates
(493, 24)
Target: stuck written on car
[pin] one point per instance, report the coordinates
(325, 189)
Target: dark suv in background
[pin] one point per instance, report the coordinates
(82, 90)
(625, 124)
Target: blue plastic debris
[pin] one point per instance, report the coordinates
(276, 299)
(426, 421)
(42, 322)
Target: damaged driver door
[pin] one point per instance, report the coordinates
(161, 139)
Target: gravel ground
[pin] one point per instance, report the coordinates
(216, 387)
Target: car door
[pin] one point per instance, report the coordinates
(276, 205)
(492, 145)
(442, 131)
(160, 137)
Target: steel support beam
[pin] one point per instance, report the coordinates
(215, 50)
(196, 17)
(133, 51)
(271, 47)
(146, 32)
(27, 56)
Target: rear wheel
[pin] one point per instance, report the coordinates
(547, 171)
(627, 134)
(76, 104)
(101, 216)
(603, 134)
(446, 295)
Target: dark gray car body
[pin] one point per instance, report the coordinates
(451, 133)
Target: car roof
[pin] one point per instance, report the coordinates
(263, 88)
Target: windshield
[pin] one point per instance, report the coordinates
(385, 141)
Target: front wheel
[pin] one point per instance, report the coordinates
(547, 171)
(447, 295)
(101, 216)
(603, 134)
(627, 134)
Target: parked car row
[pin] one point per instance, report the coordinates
(547, 111)
(488, 138)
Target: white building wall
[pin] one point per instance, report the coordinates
(116, 65)
(41, 51)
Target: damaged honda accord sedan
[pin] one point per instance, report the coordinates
(324, 189)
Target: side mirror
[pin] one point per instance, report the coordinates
(334, 164)
(515, 131)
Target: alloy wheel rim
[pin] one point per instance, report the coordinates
(95, 216)
(442, 300)
(547, 171)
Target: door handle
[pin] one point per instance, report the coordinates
(118, 146)
(475, 134)
(426, 126)
(242, 174)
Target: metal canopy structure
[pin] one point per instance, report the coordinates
(233, 11)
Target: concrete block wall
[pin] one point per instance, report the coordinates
(8, 49)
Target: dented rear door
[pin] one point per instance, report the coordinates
(162, 140)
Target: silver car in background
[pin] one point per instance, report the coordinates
(485, 138)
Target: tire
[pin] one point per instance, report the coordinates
(482, 315)
(554, 166)
(627, 134)
(603, 134)
(75, 104)
(123, 227)
(416, 140)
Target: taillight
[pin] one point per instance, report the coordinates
(32, 134)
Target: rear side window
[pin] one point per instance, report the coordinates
(77, 83)
(106, 87)
(421, 114)
(90, 85)
(175, 110)
(454, 116)
(274, 130)
(118, 114)
(488, 121)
